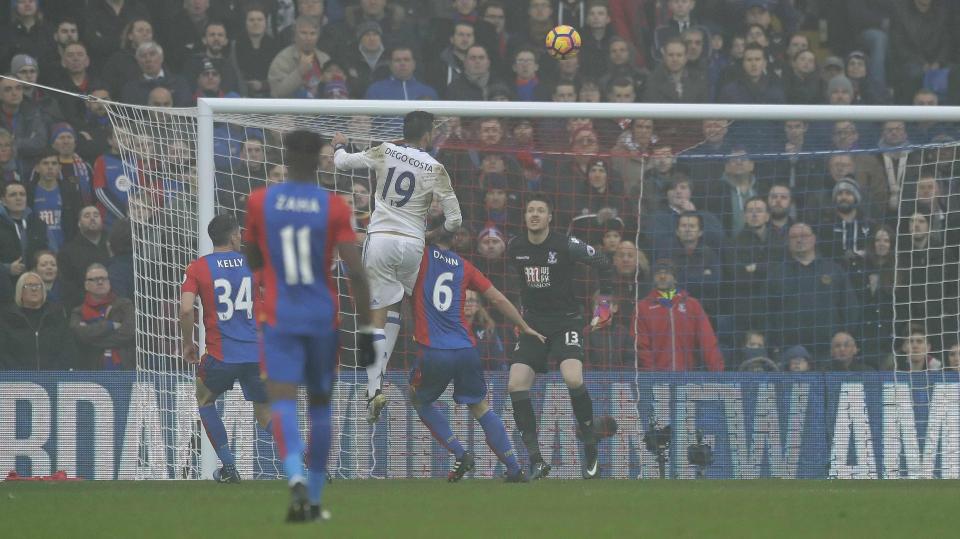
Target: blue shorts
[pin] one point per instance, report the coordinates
(218, 377)
(434, 370)
(310, 360)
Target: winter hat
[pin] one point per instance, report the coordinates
(59, 128)
(21, 61)
(839, 82)
(847, 184)
(833, 61)
(491, 231)
(368, 26)
(797, 351)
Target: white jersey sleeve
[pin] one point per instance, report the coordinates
(407, 180)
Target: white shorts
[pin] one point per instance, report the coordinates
(392, 264)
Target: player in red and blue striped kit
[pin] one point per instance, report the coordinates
(292, 231)
(448, 352)
(223, 282)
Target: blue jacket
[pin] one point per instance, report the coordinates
(408, 90)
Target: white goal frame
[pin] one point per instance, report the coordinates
(208, 108)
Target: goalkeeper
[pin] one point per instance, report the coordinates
(545, 262)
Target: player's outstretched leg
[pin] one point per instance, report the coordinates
(498, 440)
(319, 453)
(440, 429)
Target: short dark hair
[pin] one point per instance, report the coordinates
(416, 124)
(302, 150)
(6, 187)
(755, 199)
(221, 228)
(402, 48)
(216, 22)
(695, 214)
(469, 24)
(539, 197)
(754, 47)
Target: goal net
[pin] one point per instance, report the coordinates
(816, 240)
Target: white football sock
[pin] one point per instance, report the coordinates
(392, 331)
(375, 371)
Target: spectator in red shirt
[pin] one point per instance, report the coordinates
(672, 330)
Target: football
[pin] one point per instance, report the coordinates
(563, 42)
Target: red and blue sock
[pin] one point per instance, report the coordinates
(217, 433)
(440, 428)
(499, 441)
(286, 432)
(319, 451)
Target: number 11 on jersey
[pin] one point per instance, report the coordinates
(297, 262)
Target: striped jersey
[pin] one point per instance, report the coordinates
(439, 297)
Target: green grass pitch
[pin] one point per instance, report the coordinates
(488, 509)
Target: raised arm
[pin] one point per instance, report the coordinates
(344, 160)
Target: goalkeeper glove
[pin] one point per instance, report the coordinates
(365, 353)
(602, 313)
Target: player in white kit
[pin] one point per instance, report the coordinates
(407, 180)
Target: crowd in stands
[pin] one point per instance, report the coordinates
(794, 245)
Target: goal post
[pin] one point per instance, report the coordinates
(191, 166)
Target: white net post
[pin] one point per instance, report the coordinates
(206, 211)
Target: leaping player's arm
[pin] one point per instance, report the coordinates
(478, 282)
(188, 297)
(344, 160)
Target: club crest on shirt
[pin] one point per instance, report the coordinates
(682, 307)
(552, 257)
(826, 280)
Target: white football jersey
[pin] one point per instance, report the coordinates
(407, 181)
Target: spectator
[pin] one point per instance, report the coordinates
(876, 295)
(540, 20)
(782, 211)
(596, 39)
(27, 32)
(183, 33)
(65, 33)
(727, 195)
(925, 196)
(33, 332)
(608, 344)
(333, 36)
(367, 62)
(502, 39)
(698, 268)
(754, 345)
(864, 90)
(662, 223)
(491, 245)
(867, 21)
(209, 83)
(706, 159)
(24, 122)
(925, 132)
(153, 75)
(254, 49)
(845, 355)
(810, 297)
(926, 275)
(756, 34)
(916, 348)
(215, 51)
(630, 22)
(103, 325)
(601, 193)
(797, 359)
(55, 200)
(45, 265)
(79, 252)
(621, 65)
(402, 83)
(449, 65)
(801, 83)
(699, 55)
(756, 249)
(672, 82)
(396, 30)
(844, 234)
(25, 68)
(22, 232)
(122, 65)
(681, 18)
(867, 168)
(840, 91)
(9, 165)
(106, 23)
(919, 42)
(525, 66)
(248, 172)
(473, 84)
(630, 155)
(953, 357)
(754, 85)
(484, 329)
(296, 71)
(72, 168)
(120, 267)
(494, 210)
(895, 159)
(632, 270)
(112, 181)
(75, 77)
(672, 331)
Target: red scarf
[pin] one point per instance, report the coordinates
(95, 310)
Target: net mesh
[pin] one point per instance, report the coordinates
(781, 234)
